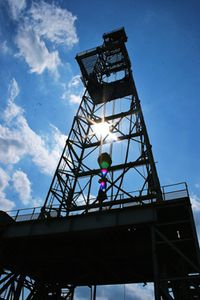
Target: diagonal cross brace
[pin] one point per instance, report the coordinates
(177, 250)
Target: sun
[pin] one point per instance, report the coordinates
(103, 130)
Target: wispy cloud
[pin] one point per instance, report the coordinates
(73, 90)
(195, 204)
(127, 291)
(43, 27)
(195, 200)
(35, 52)
(16, 7)
(130, 291)
(22, 186)
(4, 48)
(140, 292)
(75, 82)
(76, 99)
(54, 23)
(13, 90)
(5, 204)
(12, 110)
(19, 140)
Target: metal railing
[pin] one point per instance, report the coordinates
(25, 214)
(169, 192)
(175, 191)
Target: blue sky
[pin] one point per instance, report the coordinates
(40, 89)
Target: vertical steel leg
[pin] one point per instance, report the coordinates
(94, 292)
(155, 264)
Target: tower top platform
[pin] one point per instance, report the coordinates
(106, 69)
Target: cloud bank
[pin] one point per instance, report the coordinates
(18, 140)
(40, 29)
(53, 23)
(33, 49)
(22, 186)
(5, 204)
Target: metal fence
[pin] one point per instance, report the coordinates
(175, 191)
(169, 192)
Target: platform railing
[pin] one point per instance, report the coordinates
(175, 191)
(169, 192)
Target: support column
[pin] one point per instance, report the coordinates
(94, 292)
(155, 264)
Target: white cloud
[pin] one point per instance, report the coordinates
(127, 291)
(22, 185)
(5, 204)
(11, 145)
(35, 52)
(195, 200)
(59, 139)
(17, 139)
(195, 204)
(54, 23)
(139, 291)
(13, 90)
(16, 7)
(76, 99)
(44, 24)
(75, 81)
(21, 140)
(73, 90)
(37, 202)
(4, 48)
(12, 110)
(4, 179)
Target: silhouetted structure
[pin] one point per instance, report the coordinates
(106, 219)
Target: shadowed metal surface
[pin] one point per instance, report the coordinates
(117, 242)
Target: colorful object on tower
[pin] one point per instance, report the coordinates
(104, 161)
(103, 184)
(104, 172)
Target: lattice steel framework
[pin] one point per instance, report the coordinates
(15, 286)
(159, 235)
(106, 74)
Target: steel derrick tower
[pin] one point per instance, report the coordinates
(106, 219)
(110, 104)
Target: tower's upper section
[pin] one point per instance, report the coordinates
(106, 70)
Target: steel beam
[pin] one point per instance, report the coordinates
(128, 165)
(92, 221)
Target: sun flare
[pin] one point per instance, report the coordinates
(102, 130)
